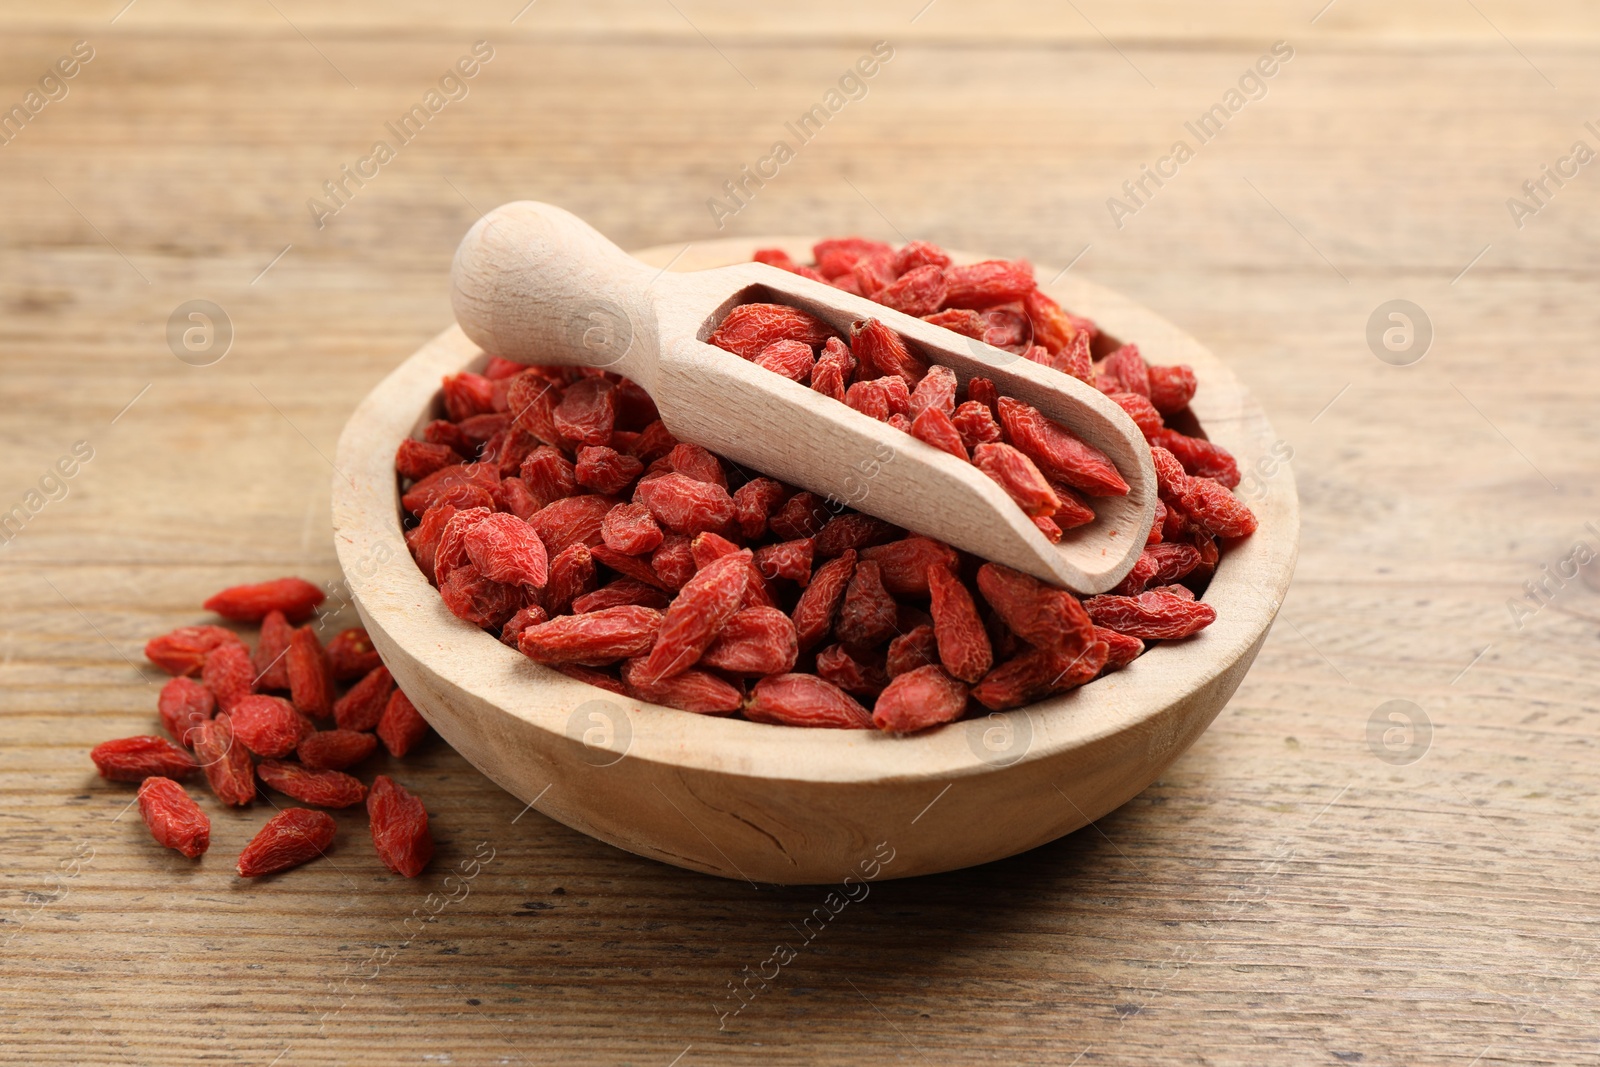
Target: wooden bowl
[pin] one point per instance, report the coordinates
(784, 804)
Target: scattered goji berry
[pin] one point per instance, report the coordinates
(325, 789)
(290, 838)
(399, 827)
(184, 704)
(362, 706)
(402, 725)
(174, 819)
(272, 648)
(350, 655)
(295, 597)
(229, 674)
(334, 750)
(310, 677)
(133, 759)
(269, 726)
(225, 761)
(184, 650)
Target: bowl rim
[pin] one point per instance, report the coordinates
(392, 593)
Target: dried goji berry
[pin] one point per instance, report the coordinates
(272, 670)
(290, 838)
(934, 427)
(754, 641)
(572, 520)
(351, 655)
(605, 470)
(696, 615)
(686, 505)
(618, 593)
(1040, 614)
(1057, 452)
(690, 690)
(906, 563)
(786, 559)
(133, 759)
(852, 530)
(975, 423)
(917, 699)
(325, 789)
(1156, 615)
(993, 281)
(592, 639)
(587, 413)
(467, 394)
(1171, 388)
(506, 549)
(630, 529)
(919, 291)
(880, 351)
(1038, 673)
(399, 827)
(792, 359)
(804, 700)
(310, 677)
(1127, 368)
(750, 328)
(424, 540)
(295, 597)
(1123, 648)
(548, 474)
(184, 704)
(463, 485)
(572, 574)
(362, 706)
(802, 515)
(695, 462)
(1141, 411)
(1199, 457)
(706, 547)
(184, 650)
(225, 761)
(819, 602)
(866, 615)
(1017, 475)
(402, 725)
(229, 674)
(513, 495)
(416, 460)
(964, 648)
(269, 726)
(334, 750)
(916, 647)
(174, 819)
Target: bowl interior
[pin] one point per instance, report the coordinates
(1246, 589)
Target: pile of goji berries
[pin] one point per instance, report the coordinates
(552, 507)
(229, 717)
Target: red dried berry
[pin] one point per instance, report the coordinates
(786, 559)
(269, 658)
(975, 423)
(1156, 615)
(1123, 648)
(399, 827)
(1038, 673)
(907, 562)
(225, 761)
(867, 614)
(1171, 388)
(133, 759)
(964, 648)
(592, 639)
(916, 254)
(1017, 475)
(754, 641)
(1127, 368)
(805, 700)
(310, 678)
(605, 470)
(184, 704)
(690, 690)
(1042, 615)
(415, 460)
(351, 655)
(572, 574)
(750, 328)
(505, 549)
(587, 413)
(295, 597)
(934, 427)
(918, 699)
(917, 647)
(362, 706)
(402, 726)
(695, 617)
(631, 530)
(792, 359)
(685, 505)
(881, 352)
(290, 838)
(919, 291)
(481, 601)
(621, 592)
(325, 789)
(993, 281)
(818, 604)
(1142, 412)
(1199, 457)
(467, 394)
(229, 674)
(269, 726)
(334, 750)
(1058, 453)
(184, 650)
(802, 515)
(174, 819)
(570, 521)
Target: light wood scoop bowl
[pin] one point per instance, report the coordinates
(536, 284)
(776, 804)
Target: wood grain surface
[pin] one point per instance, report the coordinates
(1290, 892)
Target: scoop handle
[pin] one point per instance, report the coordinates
(537, 284)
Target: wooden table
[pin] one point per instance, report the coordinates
(1294, 891)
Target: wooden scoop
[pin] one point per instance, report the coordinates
(536, 284)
